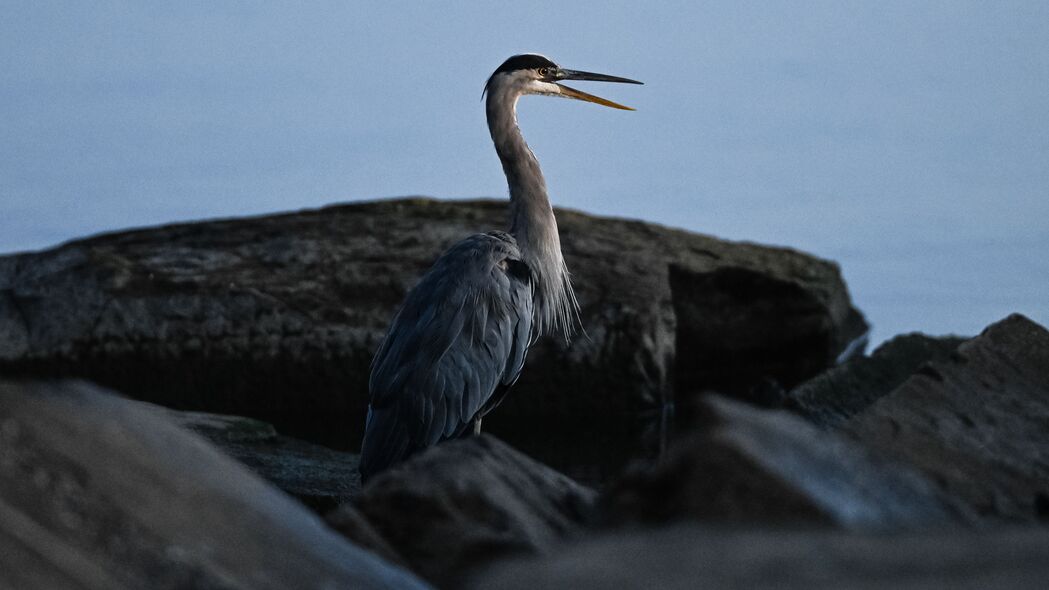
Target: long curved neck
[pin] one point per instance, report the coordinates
(532, 221)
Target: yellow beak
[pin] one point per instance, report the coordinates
(580, 95)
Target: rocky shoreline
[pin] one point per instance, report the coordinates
(159, 389)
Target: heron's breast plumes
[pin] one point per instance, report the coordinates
(556, 307)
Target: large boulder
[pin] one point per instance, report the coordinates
(98, 492)
(467, 502)
(976, 423)
(686, 557)
(747, 465)
(277, 317)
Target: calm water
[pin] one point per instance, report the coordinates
(907, 140)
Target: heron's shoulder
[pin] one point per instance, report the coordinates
(483, 253)
(497, 243)
(503, 237)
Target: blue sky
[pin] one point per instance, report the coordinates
(909, 141)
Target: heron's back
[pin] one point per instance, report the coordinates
(460, 334)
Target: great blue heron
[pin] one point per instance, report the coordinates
(459, 340)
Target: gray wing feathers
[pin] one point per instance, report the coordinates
(522, 331)
(462, 332)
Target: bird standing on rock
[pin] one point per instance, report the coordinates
(460, 338)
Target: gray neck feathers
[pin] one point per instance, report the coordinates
(532, 221)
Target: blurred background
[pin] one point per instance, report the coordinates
(907, 141)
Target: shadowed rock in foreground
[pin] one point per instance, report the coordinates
(694, 557)
(277, 317)
(961, 437)
(744, 465)
(99, 492)
(317, 476)
(976, 423)
(468, 502)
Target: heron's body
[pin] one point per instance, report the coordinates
(459, 340)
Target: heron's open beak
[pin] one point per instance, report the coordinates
(563, 74)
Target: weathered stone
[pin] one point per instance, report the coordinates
(749, 330)
(98, 492)
(977, 423)
(837, 394)
(466, 502)
(350, 523)
(319, 477)
(748, 465)
(277, 317)
(688, 557)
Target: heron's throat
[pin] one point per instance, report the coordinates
(532, 221)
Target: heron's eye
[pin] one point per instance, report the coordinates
(544, 71)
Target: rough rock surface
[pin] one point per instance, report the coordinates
(277, 317)
(319, 477)
(744, 330)
(467, 502)
(96, 492)
(834, 396)
(977, 423)
(751, 466)
(694, 557)
(350, 523)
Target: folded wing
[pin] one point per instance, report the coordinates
(461, 335)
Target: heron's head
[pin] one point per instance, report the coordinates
(531, 73)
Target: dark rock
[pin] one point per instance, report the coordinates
(748, 465)
(277, 317)
(694, 557)
(773, 320)
(466, 502)
(97, 492)
(319, 477)
(840, 392)
(351, 524)
(976, 423)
